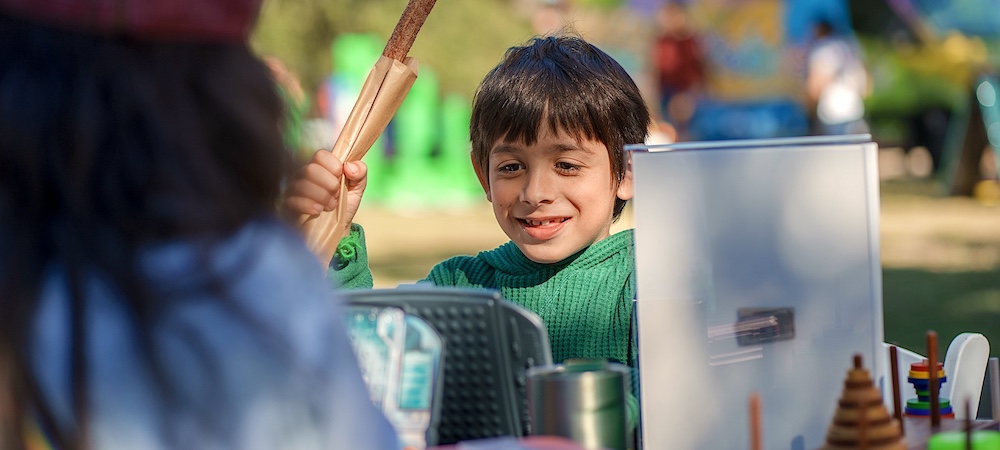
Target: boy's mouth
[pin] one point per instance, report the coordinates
(543, 229)
(542, 222)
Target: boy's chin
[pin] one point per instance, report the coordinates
(542, 255)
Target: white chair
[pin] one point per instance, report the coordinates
(964, 366)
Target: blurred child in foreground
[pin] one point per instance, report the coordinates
(151, 298)
(549, 124)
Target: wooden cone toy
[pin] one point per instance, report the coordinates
(862, 420)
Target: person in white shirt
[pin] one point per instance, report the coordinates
(837, 83)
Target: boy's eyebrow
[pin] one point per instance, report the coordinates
(503, 148)
(559, 147)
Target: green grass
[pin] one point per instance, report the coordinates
(940, 265)
(918, 300)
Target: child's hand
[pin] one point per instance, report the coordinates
(317, 187)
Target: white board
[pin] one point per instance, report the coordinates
(758, 270)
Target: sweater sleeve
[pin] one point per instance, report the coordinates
(349, 267)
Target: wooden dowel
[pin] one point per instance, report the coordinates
(862, 412)
(897, 410)
(932, 380)
(756, 439)
(993, 368)
(968, 424)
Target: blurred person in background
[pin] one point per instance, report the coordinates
(151, 299)
(836, 84)
(550, 17)
(680, 69)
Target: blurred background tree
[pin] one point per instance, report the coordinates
(461, 39)
(925, 57)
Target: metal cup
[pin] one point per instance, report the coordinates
(581, 400)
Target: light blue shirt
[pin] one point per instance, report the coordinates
(269, 364)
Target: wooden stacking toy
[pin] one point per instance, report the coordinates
(862, 420)
(920, 378)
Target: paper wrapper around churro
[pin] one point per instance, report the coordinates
(384, 90)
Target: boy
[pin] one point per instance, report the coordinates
(548, 128)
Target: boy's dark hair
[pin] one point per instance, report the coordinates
(570, 83)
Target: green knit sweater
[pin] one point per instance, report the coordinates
(585, 300)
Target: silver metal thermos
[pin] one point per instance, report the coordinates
(582, 400)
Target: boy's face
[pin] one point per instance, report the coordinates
(554, 197)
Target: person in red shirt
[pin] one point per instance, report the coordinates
(677, 59)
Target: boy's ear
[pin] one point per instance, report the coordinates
(625, 188)
(483, 179)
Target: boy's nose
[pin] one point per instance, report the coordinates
(538, 189)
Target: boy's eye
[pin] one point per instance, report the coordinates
(508, 168)
(567, 166)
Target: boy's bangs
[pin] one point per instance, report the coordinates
(520, 119)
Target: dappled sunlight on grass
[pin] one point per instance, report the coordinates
(941, 265)
(921, 229)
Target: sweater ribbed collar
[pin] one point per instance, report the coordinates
(507, 258)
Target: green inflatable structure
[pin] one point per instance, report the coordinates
(421, 162)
